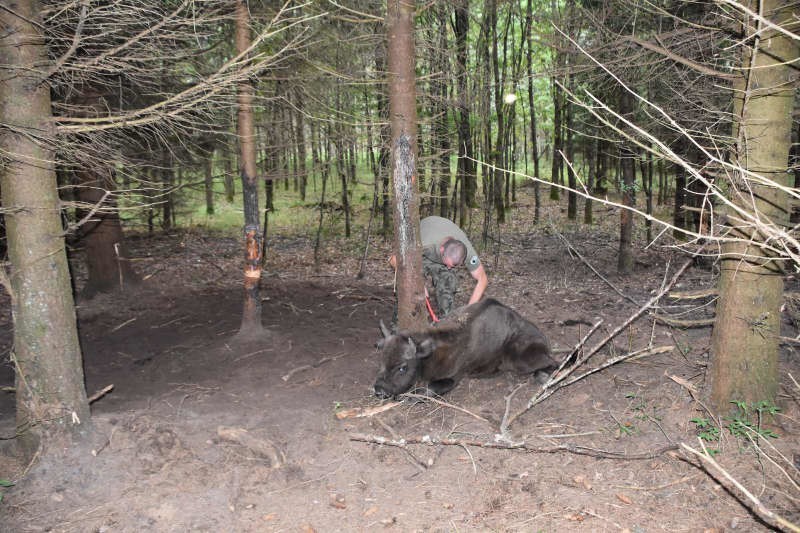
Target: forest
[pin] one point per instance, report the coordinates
(199, 198)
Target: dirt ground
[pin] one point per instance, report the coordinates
(202, 433)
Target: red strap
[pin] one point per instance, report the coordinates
(430, 309)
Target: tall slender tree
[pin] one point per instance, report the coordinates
(403, 116)
(251, 313)
(625, 255)
(532, 107)
(466, 168)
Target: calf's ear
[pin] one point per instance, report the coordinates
(425, 348)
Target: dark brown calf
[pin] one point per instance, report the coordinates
(478, 340)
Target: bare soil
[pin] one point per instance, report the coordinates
(202, 432)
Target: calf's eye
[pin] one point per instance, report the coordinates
(402, 369)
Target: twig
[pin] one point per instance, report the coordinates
(547, 392)
(5, 282)
(413, 459)
(554, 379)
(572, 249)
(99, 394)
(678, 323)
(759, 508)
(693, 392)
(263, 447)
(358, 412)
(444, 404)
(544, 394)
(508, 398)
(123, 324)
(684, 479)
(522, 446)
(301, 368)
(694, 295)
(251, 354)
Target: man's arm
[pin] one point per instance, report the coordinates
(482, 281)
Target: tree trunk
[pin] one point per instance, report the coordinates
(532, 105)
(403, 113)
(557, 162)
(572, 181)
(50, 396)
(679, 212)
(591, 156)
(209, 182)
(647, 185)
(466, 167)
(625, 255)
(108, 266)
(441, 127)
(301, 145)
(497, 157)
(745, 340)
(107, 262)
(251, 313)
(167, 200)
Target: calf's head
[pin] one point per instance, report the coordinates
(401, 362)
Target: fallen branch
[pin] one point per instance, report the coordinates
(359, 412)
(263, 447)
(443, 404)
(500, 445)
(301, 368)
(694, 295)
(757, 507)
(678, 323)
(546, 393)
(99, 394)
(547, 390)
(572, 250)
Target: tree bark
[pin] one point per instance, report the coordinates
(403, 115)
(557, 162)
(679, 211)
(625, 255)
(167, 179)
(106, 255)
(745, 340)
(498, 154)
(209, 181)
(532, 105)
(301, 144)
(50, 396)
(441, 126)
(251, 313)
(572, 181)
(108, 266)
(591, 157)
(466, 167)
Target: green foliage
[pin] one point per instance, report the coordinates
(707, 430)
(626, 429)
(740, 425)
(643, 412)
(4, 483)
